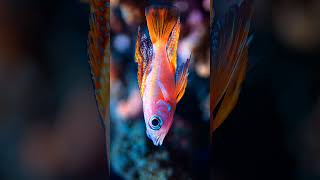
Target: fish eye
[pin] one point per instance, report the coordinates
(155, 122)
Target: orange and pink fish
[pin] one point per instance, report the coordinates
(162, 81)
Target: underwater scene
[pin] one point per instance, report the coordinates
(159, 89)
(134, 155)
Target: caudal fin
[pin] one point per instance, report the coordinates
(161, 21)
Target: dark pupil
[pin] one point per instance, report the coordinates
(155, 122)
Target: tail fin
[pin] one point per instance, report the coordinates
(229, 56)
(161, 21)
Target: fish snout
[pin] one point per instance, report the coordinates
(156, 139)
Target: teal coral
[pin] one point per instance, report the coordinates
(131, 158)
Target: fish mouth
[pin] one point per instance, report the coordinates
(157, 140)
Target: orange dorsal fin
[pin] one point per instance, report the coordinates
(229, 56)
(161, 21)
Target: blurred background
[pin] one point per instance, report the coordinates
(184, 153)
(273, 133)
(49, 125)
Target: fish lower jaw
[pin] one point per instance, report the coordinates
(157, 141)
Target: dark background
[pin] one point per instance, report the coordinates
(49, 126)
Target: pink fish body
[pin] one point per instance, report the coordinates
(162, 83)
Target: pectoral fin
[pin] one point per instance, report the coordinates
(163, 90)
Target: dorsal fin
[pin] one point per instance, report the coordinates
(143, 57)
(228, 60)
